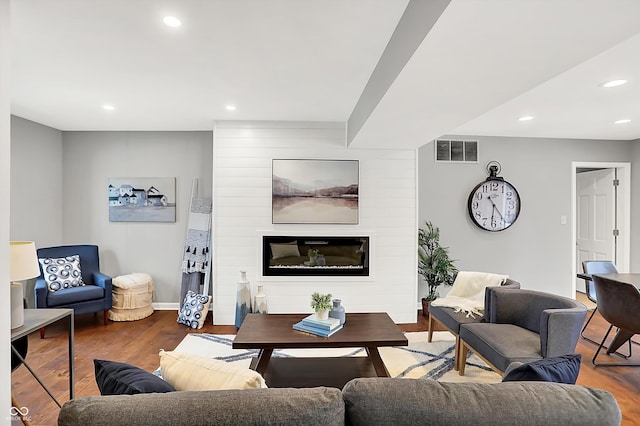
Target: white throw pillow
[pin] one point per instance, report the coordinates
(192, 372)
(284, 250)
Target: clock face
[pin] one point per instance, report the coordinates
(494, 205)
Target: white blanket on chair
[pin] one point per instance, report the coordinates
(467, 292)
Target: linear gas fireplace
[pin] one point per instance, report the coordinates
(315, 256)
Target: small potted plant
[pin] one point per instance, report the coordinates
(313, 256)
(434, 264)
(321, 304)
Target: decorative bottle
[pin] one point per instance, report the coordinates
(243, 299)
(338, 311)
(260, 303)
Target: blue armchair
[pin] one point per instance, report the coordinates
(94, 296)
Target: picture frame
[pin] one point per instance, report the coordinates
(135, 199)
(315, 191)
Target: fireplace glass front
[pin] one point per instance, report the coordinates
(315, 256)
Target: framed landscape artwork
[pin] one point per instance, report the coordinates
(315, 191)
(142, 199)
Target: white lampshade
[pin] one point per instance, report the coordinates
(23, 264)
(24, 260)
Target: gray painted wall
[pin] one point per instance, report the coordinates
(536, 250)
(36, 196)
(36, 173)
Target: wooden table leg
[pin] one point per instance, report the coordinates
(376, 360)
(263, 360)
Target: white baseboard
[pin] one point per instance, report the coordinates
(163, 306)
(168, 306)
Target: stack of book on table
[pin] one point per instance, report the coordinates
(319, 327)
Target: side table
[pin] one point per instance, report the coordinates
(34, 319)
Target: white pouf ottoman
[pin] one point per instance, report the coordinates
(132, 296)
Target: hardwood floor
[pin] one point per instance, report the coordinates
(139, 342)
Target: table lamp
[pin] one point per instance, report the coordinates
(23, 265)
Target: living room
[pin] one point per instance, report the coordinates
(59, 195)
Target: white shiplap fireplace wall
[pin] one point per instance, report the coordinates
(242, 154)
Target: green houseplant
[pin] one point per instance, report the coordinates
(434, 264)
(321, 304)
(313, 256)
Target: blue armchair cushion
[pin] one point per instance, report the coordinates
(62, 273)
(561, 369)
(75, 295)
(118, 378)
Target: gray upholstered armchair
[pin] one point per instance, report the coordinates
(523, 326)
(94, 296)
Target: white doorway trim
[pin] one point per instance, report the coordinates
(624, 212)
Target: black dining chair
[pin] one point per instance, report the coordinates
(595, 267)
(618, 303)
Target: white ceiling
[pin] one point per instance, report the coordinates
(482, 65)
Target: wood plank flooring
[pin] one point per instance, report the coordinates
(139, 342)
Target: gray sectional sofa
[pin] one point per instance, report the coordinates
(372, 401)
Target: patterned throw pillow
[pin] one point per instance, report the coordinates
(62, 273)
(194, 310)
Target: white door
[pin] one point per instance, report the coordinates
(595, 218)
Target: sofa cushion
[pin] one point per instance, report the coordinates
(452, 319)
(502, 344)
(62, 273)
(378, 401)
(561, 369)
(312, 406)
(192, 372)
(118, 378)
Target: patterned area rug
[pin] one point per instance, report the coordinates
(417, 360)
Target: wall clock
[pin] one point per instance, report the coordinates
(494, 204)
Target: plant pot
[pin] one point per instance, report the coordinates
(323, 314)
(425, 308)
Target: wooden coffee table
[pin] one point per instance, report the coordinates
(274, 331)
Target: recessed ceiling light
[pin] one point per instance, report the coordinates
(526, 118)
(614, 83)
(172, 21)
(622, 121)
(230, 107)
(108, 107)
